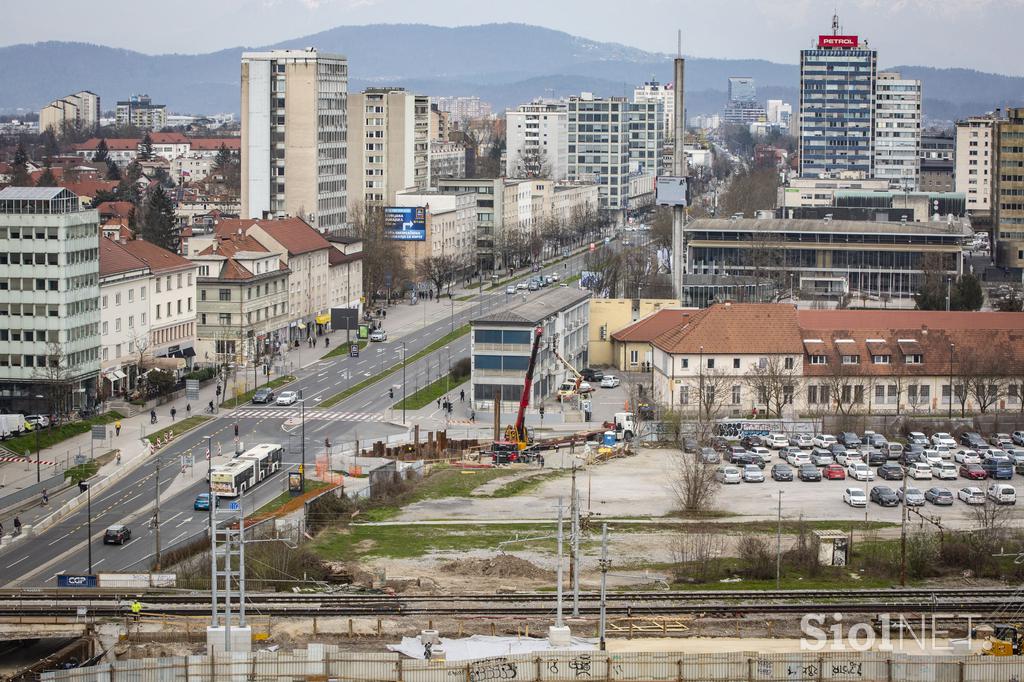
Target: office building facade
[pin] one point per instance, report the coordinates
(653, 91)
(973, 158)
(937, 163)
(599, 147)
(537, 140)
(1008, 189)
(837, 108)
(139, 111)
(80, 110)
(294, 136)
(50, 337)
(898, 131)
(646, 136)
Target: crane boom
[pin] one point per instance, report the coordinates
(579, 377)
(524, 400)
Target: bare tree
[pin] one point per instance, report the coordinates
(509, 247)
(603, 267)
(845, 386)
(638, 267)
(699, 549)
(713, 387)
(774, 380)
(438, 270)
(532, 162)
(986, 376)
(384, 268)
(693, 482)
(56, 378)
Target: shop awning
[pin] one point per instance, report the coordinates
(164, 363)
(114, 375)
(323, 319)
(188, 352)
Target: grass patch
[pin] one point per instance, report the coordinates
(431, 392)
(355, 388)
(571, 279)
(342, 349)
(406, 542)
(451, 482)
(525, 485)
(242, 398)
(83, 471)
(829, 580)
(313, 488)
(467, 297)
(53, 435)
(178, 428)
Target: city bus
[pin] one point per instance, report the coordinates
(266, 456)
(233, 479)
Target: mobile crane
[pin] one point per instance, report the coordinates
(517, 438)
(565, 391)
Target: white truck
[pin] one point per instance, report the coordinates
(12, 425)
(625, 426)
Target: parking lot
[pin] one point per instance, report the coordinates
(824, 499)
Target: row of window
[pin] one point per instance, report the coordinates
(131, 297)
(16, 258)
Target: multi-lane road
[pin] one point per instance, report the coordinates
(365, 415)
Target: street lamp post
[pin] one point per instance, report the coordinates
(949, 282)
(949, 414)
(403, 381)
(36, 429)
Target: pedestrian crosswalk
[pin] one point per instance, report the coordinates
(292, 413)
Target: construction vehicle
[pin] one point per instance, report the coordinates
(517, 438)
(1005, 640)
(568, 389)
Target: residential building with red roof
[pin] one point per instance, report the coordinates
(750, 357)
(126, 285)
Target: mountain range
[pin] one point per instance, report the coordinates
(505, 64)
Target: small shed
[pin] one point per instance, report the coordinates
(833, 547)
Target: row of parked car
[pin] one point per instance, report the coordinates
(885, 496)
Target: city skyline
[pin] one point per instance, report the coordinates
(764, 29)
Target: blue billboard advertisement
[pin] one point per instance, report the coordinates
(64, 580)
(405, 224)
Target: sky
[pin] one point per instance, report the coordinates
(979, 34)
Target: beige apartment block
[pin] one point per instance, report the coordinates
(973, 158)
(1008, 189)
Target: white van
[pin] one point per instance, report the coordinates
(12, 425)
(1000, 493)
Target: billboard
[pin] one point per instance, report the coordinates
(64, 580)
(344, 318)
(671, 191)
(838, 41)
(405, 223)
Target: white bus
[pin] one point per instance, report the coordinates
(267, 457)
(233, 479)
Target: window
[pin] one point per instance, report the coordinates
(880, 359)
(634, 357)
(202, 294)
(117, 298)
(788, 364)
(858, 394)
(735, 363)
(812, 395)
(914, 359)
(711, 363)
(131, 321)
(104, 301)
(686, 363)
(851, 359)
(131, 295)
(157, 285)
(225, 318)
(819, 360)
(684, 395)
(117, 326)
(736, 394)
(142, 318)
(880, 394)
(142, 293)
(106, 327)
(224, 294)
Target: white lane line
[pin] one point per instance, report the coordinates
(164, 523)
(18, 561)
(57, 540)
(95, 564)
(183, 522)
(132, 498)
(184, 533)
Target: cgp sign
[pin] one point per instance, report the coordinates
(838, 41)
(76, 581)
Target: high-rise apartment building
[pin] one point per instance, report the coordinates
(50, 336)
(937, 149)
(390, 152)
(743, 107)
(294, 125)
(646, 136)
(462, 109)
(898, 131)
(1008, 189)
(837, 107)
(139, 111)
(537, 138)
(778, 113)
(974, 161)
(80, 110)
(599, 147)
(654, 91)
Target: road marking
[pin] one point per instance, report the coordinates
(97, 563)
(18, 561)
(164, 523)
(58, 540)
(178, 538)
(183, 522)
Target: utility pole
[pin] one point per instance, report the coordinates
(213, 538)
(577, 529)
(572, 532)
(558, 612)
(156, 515)
(679, 167)
(903, 536)
(605, 563)
(778, 547)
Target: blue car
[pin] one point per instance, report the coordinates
(202, 502)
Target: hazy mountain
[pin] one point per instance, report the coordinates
(503, 63)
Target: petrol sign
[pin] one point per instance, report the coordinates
(838, 41)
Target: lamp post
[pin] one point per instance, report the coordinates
(949, 414)
(700, 397)
(302, 466)
(36, 429)
(949, 284)
(403, 381)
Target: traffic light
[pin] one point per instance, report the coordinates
(236, 429)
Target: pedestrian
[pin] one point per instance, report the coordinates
(152, 416)
(472, 415)
(541, 457)
(46, 498)
(439, 403)
(462, 396)
(327, 342)
(17, 526)
(117, 428)
(188, 409)
(174, 413)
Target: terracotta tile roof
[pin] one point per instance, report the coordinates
(89, 188)
(740, 328)
(234, 270)
(114, 259)
(293, 234)
(233, 144)
(230, 244)
(336, 257)
(654, 325)
(113, 144)
(159, 260)
(168, 138)
(889, 319)
(117, 209)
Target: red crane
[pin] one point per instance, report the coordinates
(516, 433)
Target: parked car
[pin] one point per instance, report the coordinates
(733, 451)
(776, 441)
(966, 457)
(942, 438)
(849, 439)
(917, 438)
(884, 496)
(971, 495)
(821, 457)
(847, 457)
(823, 440)
(998, 468)
(37, 421)
(874, 458)
(893, 450)
(890, 472)
(117, 535)
(914, 497)
(378, 335)
(798, 458)
(919, 470)
(834, 472)
(762, 452)
(689, 444)
(1001, 440)
(710, 455)
(1018, 438)
(609, 381)
(752, 474)
(728, 474)
(752, 441)
(943, 451)
(932, 457)
(592, 374)
(940, 496)
(801, 440)
(263, 395)
(809, 472)
(973, 472)
(946, 471)
(877, 440)
(972, 440)
(533, 286)
(1000, 493)
(860, 471)
(781, 472)
(838, 449)
(287, 398)
(855, 497)
(585, 388)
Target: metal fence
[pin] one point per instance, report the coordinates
(327, 663)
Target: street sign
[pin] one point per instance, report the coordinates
(353, 350)
(99, 433)
(192, 389)
(64, 580)
(234, 506)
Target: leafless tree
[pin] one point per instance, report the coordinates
(604, 267)
(384, 268)
(438, 270)
(774, 380)
(638, 267)
(509, 247)
(846, 387)
(985, 375)
(532, 162)
(56, 378)
(699, 549)
(693, 482)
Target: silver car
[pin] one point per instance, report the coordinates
(753, 474)
(914, 497)
(728, 474)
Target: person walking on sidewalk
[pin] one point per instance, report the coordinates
(117, 428)
(188, 409)
(462, 396)
(174, 412)
(152, 416)
(17, 526)
(46, 498)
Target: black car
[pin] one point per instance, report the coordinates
(849, 439)
(939, 496)
(890, 472)
(689, 444)
(875, 458)
(884, 495)
(752, 441)
(809, 472)
(836, 449)
(781, 472)
(710, 455)
(909, 457)
(117, 535)
(591, 374)
(972, 440)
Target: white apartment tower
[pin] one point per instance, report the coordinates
(656, 92)
(973, 156)
(898, 131)
(599, 147)
(390, 133)
(294, 136)
(537, 137)
(646, 136)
